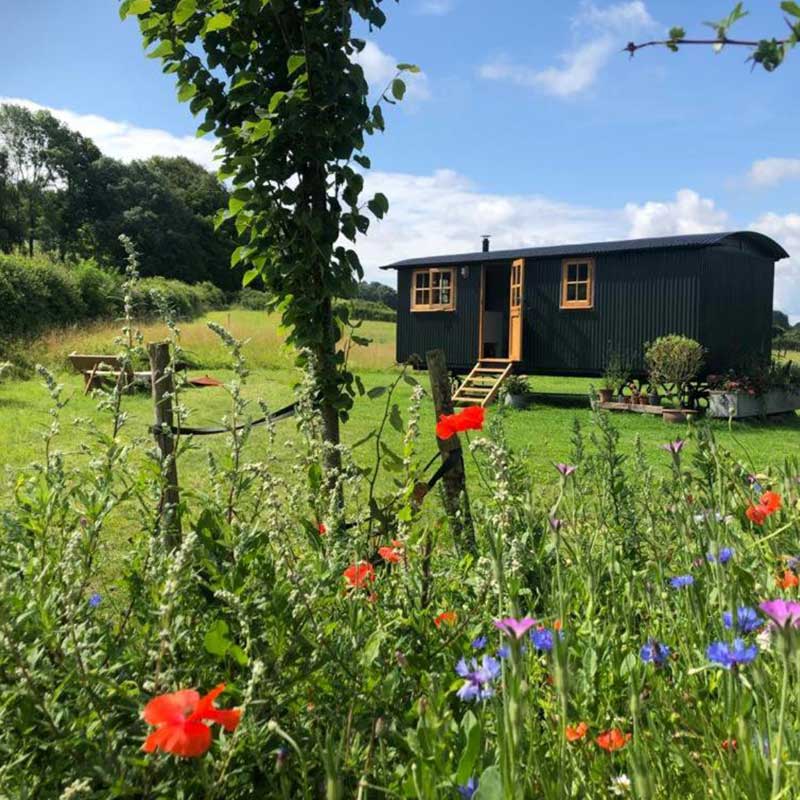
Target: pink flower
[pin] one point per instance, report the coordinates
(515, 627)
(782, 612)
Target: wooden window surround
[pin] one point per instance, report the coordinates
(577, 283)
(433, 289)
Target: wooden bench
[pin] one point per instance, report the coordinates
(96, 369)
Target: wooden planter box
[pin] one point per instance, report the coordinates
(739, 405)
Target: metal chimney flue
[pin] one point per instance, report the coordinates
(486, 238)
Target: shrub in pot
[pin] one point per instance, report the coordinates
(614, 378)
(516, 391)
(674, 360)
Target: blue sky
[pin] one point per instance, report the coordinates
(527, 123)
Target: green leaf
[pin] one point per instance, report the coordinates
(364, 439)
(472, 735)
(250, 276)
(187, 92)
(398, 89)
(216, 639)
(379, 205)
(184, 10)
(490, 785)
(205, 128)
(376, 391)
(164, 49)
(294, 63)
(410, 380)
(363, 161)
(372, 648)
(219, 22)
(791, 8)
(275, 100)
(130, 7)
(413, 68)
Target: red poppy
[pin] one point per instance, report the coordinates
(360, 574)
(730, 744)
(390, 554)
(575, 733)
(756, 514)
(788, 580)
(446, 617)
(178, 718)
(322, 529)
(470, 419)
(771, 501)
(613, 740)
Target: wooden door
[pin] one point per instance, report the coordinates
(516, 292)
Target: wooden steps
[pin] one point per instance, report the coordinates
(480, 387)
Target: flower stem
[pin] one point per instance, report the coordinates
(776, 764)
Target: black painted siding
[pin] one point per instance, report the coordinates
(719, 295)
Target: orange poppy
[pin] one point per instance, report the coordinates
(730, 744)
(788, 580)
(771, 501)
(446, 617)
(390, 554)
(613, 740)
(756, 514)
(178, 718)
(470, 419)
(358, 575)
(322, 529)
(557, 625)
(575, 733)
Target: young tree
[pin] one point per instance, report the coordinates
(281, 89)
(769, 53)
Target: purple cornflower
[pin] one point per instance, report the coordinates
(95, 600)
(747, 620)
(723, 557)
(468, 789)
(565, 469)
(793, 562)
(783, 613)
(679, 581)
(479, 643)
(753, 481)
(542, 639)
(504, 651)
(556, 524)
(654, 652)
(673, 447)
(515, 628)
(729, 656)
(477, 679)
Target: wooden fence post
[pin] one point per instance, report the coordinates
(163, 391)
(456, 499)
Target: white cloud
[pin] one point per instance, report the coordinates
(580, 65)
(379, 68)
(687, 213)
(436, 8)
(785, 229)
(125, 141)
(772, 171)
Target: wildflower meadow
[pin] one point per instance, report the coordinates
(615, 631)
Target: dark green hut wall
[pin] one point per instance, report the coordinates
(736, 308)
(456, 332)
(638, 297)
(719, 295)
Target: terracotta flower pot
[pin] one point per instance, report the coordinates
(605, 395)
(674, 415)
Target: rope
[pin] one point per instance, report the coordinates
(276, 416)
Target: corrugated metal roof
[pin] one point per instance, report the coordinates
(769, 246)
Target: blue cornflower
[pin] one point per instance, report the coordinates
(655, 652)
(479, 643)
(542, 639)
(468, 789)
(95, 600)
(477, 679)
(731, 655)
(679, 581)
(724, 556)
(747, 620)
(504, 651)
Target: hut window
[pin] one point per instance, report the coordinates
(577, 283)
(433, 290)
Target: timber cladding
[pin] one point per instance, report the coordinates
(716, 288)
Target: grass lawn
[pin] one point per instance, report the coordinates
(543, 431)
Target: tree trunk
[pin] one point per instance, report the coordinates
(326, 380)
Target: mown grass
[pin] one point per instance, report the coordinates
(543, 431)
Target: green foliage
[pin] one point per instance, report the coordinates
(365, 310)
(377, 293)
(617, 372)
(516, 385)
(674, 359)
(270, 106)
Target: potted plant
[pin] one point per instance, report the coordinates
(614, 378)
(758, 392)
(675, 360)
(516, 391)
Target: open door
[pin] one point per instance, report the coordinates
(516, 292)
